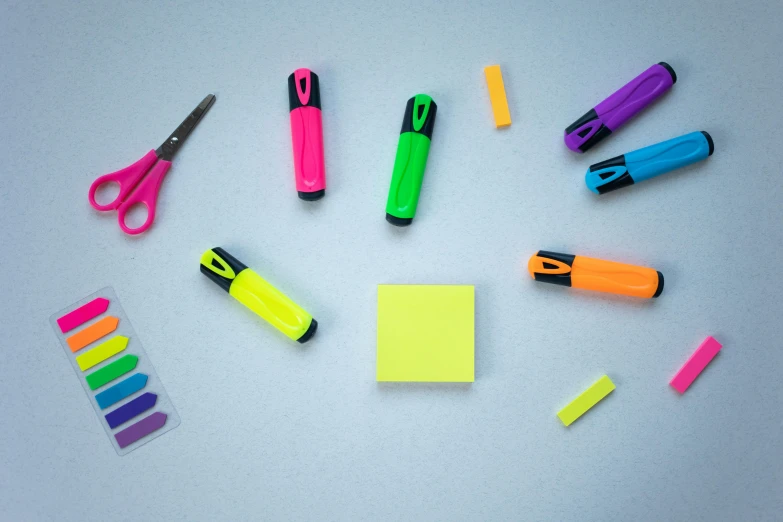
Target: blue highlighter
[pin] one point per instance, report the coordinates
(649, 162)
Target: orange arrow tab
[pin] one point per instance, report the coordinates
(92, 333)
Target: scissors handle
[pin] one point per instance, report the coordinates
(146, 193)
(126, 178)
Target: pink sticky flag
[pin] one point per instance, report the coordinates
(83, 314)
(695, 365)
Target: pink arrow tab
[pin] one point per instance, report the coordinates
(83, 314)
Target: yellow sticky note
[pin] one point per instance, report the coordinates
(589, 398)
(102, 352)
(497, 95)
(425, 333)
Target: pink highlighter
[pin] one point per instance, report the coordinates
(304, 97)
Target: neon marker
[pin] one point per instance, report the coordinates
(613, 112)
(412, 151)
(595, 274)
(304, 99)
(251, 290)
(649, 162)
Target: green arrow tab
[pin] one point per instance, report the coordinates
(111, 371)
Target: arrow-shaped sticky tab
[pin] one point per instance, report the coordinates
(111, 371)
(141, 429)
(102, 352)
(92, 333)
(121, 390)
(127, 411)
(83, 314)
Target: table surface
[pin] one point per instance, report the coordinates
(273, 430)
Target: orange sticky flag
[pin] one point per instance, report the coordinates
(497, 95)
(92, 333)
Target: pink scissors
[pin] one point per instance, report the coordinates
(139, 183)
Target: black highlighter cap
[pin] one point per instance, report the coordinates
(221, 267)
(555, 279)
(420, 108)
(602, 132)
(617, 161)
(315, 91)
(623, 181)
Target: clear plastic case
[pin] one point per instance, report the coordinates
(137, 418)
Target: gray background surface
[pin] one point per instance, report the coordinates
(271, 430)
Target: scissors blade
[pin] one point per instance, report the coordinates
(174, 142)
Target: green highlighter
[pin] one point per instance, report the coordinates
(411, 160)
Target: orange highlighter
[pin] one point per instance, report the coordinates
(595, 274)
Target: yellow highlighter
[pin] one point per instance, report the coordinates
(253, 291)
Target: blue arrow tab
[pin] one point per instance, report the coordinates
(121, 390)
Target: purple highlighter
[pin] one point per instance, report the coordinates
(613, 112)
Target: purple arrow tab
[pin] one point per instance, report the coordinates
(135, 407)
(141, 429)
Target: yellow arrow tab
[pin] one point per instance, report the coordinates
(102, 352)
(589, 398)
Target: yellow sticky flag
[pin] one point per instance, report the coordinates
(588, 398)
(102, 352)
(425, 333)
